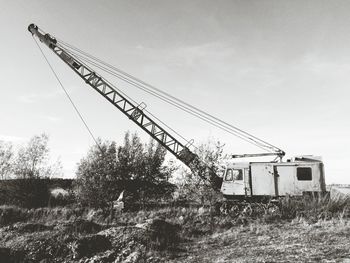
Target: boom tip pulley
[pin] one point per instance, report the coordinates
(47, 39)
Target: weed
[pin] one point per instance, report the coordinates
(314, 207)
(11, 214)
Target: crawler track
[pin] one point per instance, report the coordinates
(254, 209)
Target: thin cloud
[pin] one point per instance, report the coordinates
(35, 97)
(51, 118)
(10, 138)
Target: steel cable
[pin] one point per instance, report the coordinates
(157, 92)
(198, 115)
(69, 97)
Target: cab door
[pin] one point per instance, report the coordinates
(247, 183)
(233, 183)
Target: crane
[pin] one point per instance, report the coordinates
(240, 179)
(134, 112)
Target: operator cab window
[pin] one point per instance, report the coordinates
(229, 175)
(304, 173)
(233, 174)
(237, 174)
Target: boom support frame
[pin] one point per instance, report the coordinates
(134, 112)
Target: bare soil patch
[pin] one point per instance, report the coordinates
(180, 235)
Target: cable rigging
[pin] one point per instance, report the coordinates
(167, 98)
(69, 97)
(162, 95)
(212, 122)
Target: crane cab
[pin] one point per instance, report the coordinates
(296, 177)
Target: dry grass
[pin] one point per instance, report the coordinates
(302, 230)
(315, 208)
(295, 241)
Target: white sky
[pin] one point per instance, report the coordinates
(277, 69)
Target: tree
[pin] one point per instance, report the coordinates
(130, 157)
(153, 163)
(139, 161)
(30, 165)
(144, 165)
(202, 183)
(97, 175)
(134, 167)
(32, 160)
(6, 159)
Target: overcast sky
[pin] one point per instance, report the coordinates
(277, 69)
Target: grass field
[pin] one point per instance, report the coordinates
(302, 231)
(295, 241)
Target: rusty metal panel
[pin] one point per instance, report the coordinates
(263, 182)
(286, 179)
(312, 185)
(289, 184)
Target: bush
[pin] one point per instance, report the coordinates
(9, 255)
(314, 207)
(11, 214)
(163, 234)
(31, 193)
(133, 167)
(89, 245)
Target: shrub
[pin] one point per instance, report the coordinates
(137, 169)
(89, 245)
(33, 192)
(11, 214)
(314, 207)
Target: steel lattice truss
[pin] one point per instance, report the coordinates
(132, 111)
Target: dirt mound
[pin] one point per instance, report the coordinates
(82, 226)
(141, 242)
(86, 241)
(161, 233)
(89, 245)
(29, 227)
(129, 243)
(10, 256)
(11, 214)
(35, 246)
